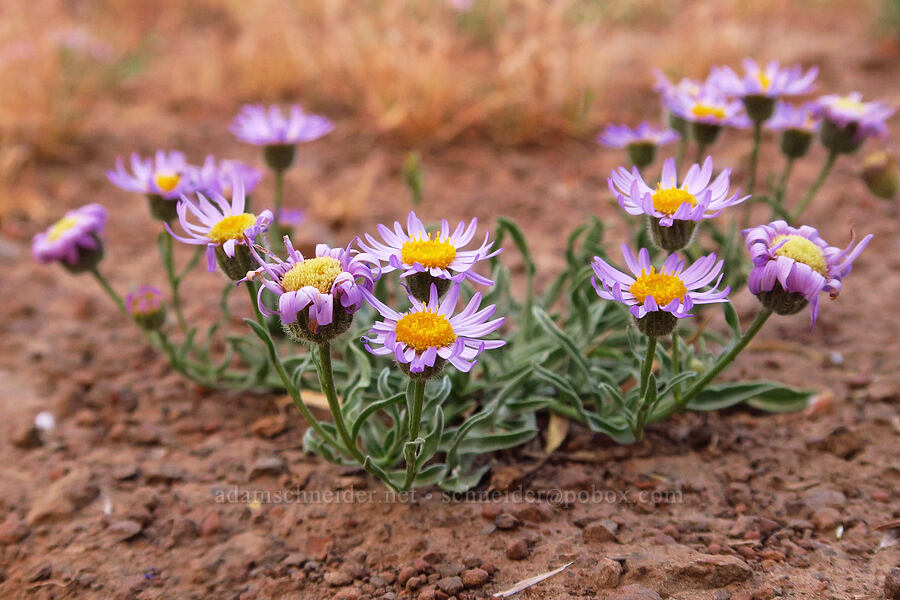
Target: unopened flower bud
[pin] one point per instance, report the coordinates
(146, 308)
(881, 174)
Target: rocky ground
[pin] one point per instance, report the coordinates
(145, 487)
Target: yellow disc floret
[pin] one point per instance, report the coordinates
(319, 273)
(231, 228)
(803, 251)
(669, 200)
(763, 80)
(850, 104)
(424, 330)
(701, 111)
(166, 182)
(663, 287)
(430, 253)
(61, 226)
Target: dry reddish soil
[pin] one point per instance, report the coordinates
(136, 493)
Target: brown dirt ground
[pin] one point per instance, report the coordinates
(120, 501)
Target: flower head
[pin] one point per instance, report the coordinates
(428, 335)
(224, 228)
(793, 265)
(218, 177)
(708, 107)
(317, 296)
(74, 240)
(146, 307)
(800, 118)
(167, 175)
(771, 80)
(849, 121)
(694, 200)
(438, 257)
(621, 136)
(672, 289)
(268, 126)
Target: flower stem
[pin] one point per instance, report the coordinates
(646, 369)
(701, 149)
(252, 289)
(823, 175)
(104, 283)
(754, 162)
(679, 152)
(174, 283)
(414, 418)
(277, 200)
(726, 359)
(783, 181)
(326, 380)
(676, 363)
(297, 398)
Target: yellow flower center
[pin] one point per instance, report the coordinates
(231, 228)
(62, 226)
(764, 80)
(803, 251)
(166, 182)
(430, 253)
(663, 287)
(851, 104)
(708, 110)
(319, 273)
(669, 200)
(424, 330)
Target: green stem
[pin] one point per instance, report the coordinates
(823, 175)
(754, 162)
(701, 149)
(676, 363)
(104, 283)
(277, 230)
(414, 419)
(783, 181)
(174, 283)
(252, 290)
(726, 359)
(682, 145)
(326, 380)
(298, 399)
(646, 368)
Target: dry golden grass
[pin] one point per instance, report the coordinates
(415, 71)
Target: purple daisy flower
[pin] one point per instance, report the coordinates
(672, 290)
(428, 335)
(793, 265)
(225, 229)
(800, 118)
(621, 136)
(167, 175)
(848, 121)
(268, 126)
(316, 296)
(709, 107)
(667, 89)
(74, 240)
(694, 200)
(146, 307)
(428, 258)
(218, 177)
(771, 81)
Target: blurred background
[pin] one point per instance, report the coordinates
(77, 75)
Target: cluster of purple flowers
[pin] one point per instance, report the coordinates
(759, 94)
(316, 296)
